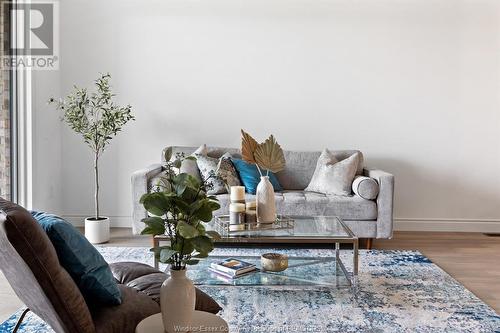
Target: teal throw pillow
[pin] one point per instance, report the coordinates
(81, 260)
(250, 176)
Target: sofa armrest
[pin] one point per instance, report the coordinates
(140, 181)
(385, 201)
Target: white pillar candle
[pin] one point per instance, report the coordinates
(237, 193)
(237, 207)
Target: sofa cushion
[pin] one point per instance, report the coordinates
(250, 176)
(191, 167)
(81, 260)
(332, 176)
(148, 280)
(365, 187)
(300, 166)
(227, 172)
(33, 245)
(311, 203)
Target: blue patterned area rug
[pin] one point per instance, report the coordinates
(399, 291)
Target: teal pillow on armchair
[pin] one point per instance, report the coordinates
(250, 176)
(81, 260)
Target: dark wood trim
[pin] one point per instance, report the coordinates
(369, 243)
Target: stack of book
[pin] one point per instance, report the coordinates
(232, 268)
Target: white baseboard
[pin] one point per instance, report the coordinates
(115, 221)
(400, 224)
(450, 225)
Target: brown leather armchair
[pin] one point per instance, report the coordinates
(30, 264)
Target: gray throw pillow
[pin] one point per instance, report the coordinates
(222, 168)
(227, 172)
(365, 187)
(332, 176)
(191, 167)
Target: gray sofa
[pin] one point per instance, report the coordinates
(366, 218)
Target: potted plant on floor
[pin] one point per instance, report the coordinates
(97, 119)
(178, 206)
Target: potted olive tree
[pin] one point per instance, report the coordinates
(97, 119)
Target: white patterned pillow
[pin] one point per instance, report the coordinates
(332, 176)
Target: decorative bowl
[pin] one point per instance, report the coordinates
(274, 262)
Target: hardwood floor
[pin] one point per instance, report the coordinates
(471, 258)
(9, 303)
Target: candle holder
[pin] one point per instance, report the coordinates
(251, 212)
(237, 216)
(250, 216)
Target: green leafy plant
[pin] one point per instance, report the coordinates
(96, 118)
(179, 206)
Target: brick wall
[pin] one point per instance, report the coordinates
(4, 106)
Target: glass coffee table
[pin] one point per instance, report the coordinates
(302, 271)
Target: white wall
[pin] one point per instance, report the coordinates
(414, 84)
(46, 143)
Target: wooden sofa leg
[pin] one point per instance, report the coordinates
(369, 243)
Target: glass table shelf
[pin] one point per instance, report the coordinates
(301, 271)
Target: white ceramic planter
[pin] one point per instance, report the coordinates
(97, 231)
(266, 206)
(177, 301)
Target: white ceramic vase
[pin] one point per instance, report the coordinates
(266, 206)
(177, 301)
(97, 231)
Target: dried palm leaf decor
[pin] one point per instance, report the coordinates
(266, 156)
